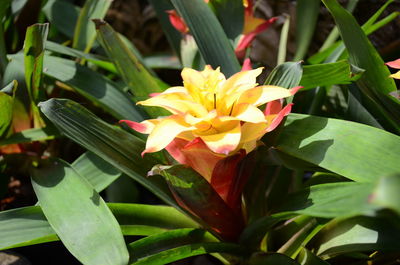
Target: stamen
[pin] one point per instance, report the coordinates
(230, 112)
(215, 101)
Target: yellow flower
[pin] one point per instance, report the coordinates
(222, 112)
(396, 65)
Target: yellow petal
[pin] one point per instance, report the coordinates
(247, 78)
(176, 103)
(234, 87)
(253, 131)
(175, 89)
(164, 132)
(396, 75)
(263, 94)
(225, 142)
(249, 113)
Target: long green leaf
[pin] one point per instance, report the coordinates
(114, 145)
(230, 14)
(4, 5)
(332, 200)
(153, 244)
(286, 75)
(65, 23)
(28, 226)
(306, 19)
(306, 257)
(31, 135)
(94, 86)
(190, 250)
(375, 82)
(358, 234)
(209, 35)
(356, 111)
(79, 215)
(328, 74)
(85, 33)
(6, 107)
(34, 46)
(95, 170)
(353, 150)
(272, 259)
(133, 71)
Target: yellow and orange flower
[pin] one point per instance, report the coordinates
(212, 117)
(396, 65)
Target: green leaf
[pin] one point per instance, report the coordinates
(94, 86)
(65, 23)
(355, 151)
(253, 234)
(386, 193)
(34, 46)
(114, 145)
(178, 244)
(99, 173)
(286, 75)
(328, 74)
(6, 107)
(375, 82)
(358, 234)
(356, 111)
(306, 257)
(271, 259)
(162, 61)
(230, 14)
(34, 43)
(332, 200)
(31, 135)
(4, 6)
(28, 226)
(213, 44)
(306, 19)
(140, 81)
(85, 32)
(151, 245)
(190, 250)
(283, 40)
(123, 189)
(199, 197)
(23, 227)
(79, 215)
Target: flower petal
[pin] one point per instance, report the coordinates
(273, 107)
(195, 154)
(224, 173)
(144, 127)
(394, 64)
(251, 132)
(164, 132)
(396, 75)
(263, 94)
(177, 22)
(278, 118)
(249, 113)
(176, 103)
(224, 142)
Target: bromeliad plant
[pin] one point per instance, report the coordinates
(244, 178)
(215, 122)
